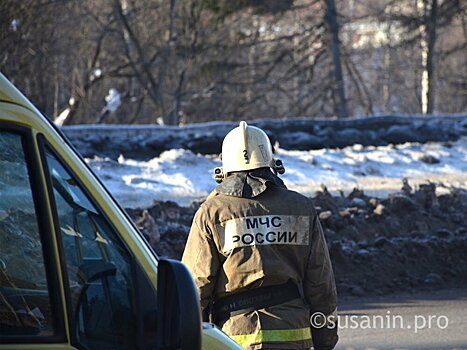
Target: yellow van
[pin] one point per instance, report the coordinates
(75, 273)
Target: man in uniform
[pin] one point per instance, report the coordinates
(258, 255)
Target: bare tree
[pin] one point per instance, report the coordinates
(189, 61)
(429, 14)
(331, 20)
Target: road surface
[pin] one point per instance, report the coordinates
(424, 320)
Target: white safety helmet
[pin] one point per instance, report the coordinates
(246, 148)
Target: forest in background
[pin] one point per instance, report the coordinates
(185, 61)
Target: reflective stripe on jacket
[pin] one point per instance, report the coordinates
(254, 232)
(273, 336)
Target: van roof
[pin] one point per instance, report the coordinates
(9, 93)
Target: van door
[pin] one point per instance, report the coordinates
(111, 303)
(31, 310)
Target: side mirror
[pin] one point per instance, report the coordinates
(179, 315)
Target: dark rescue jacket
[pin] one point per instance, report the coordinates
(252, 232)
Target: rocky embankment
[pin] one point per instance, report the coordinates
(144, 142)
(411, 240)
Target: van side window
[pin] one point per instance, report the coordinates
(99, 267)
(25, 304)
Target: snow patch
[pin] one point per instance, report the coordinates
(181, 176)
(113, 100)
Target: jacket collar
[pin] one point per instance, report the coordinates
(249, 184)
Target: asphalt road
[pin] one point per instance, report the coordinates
(424, 320)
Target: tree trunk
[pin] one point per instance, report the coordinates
(427, 43)
(431, 53)
(331, 21)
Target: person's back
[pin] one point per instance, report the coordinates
(259, 259)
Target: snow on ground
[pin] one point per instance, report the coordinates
(181, 176)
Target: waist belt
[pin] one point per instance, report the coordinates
(254, 299)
